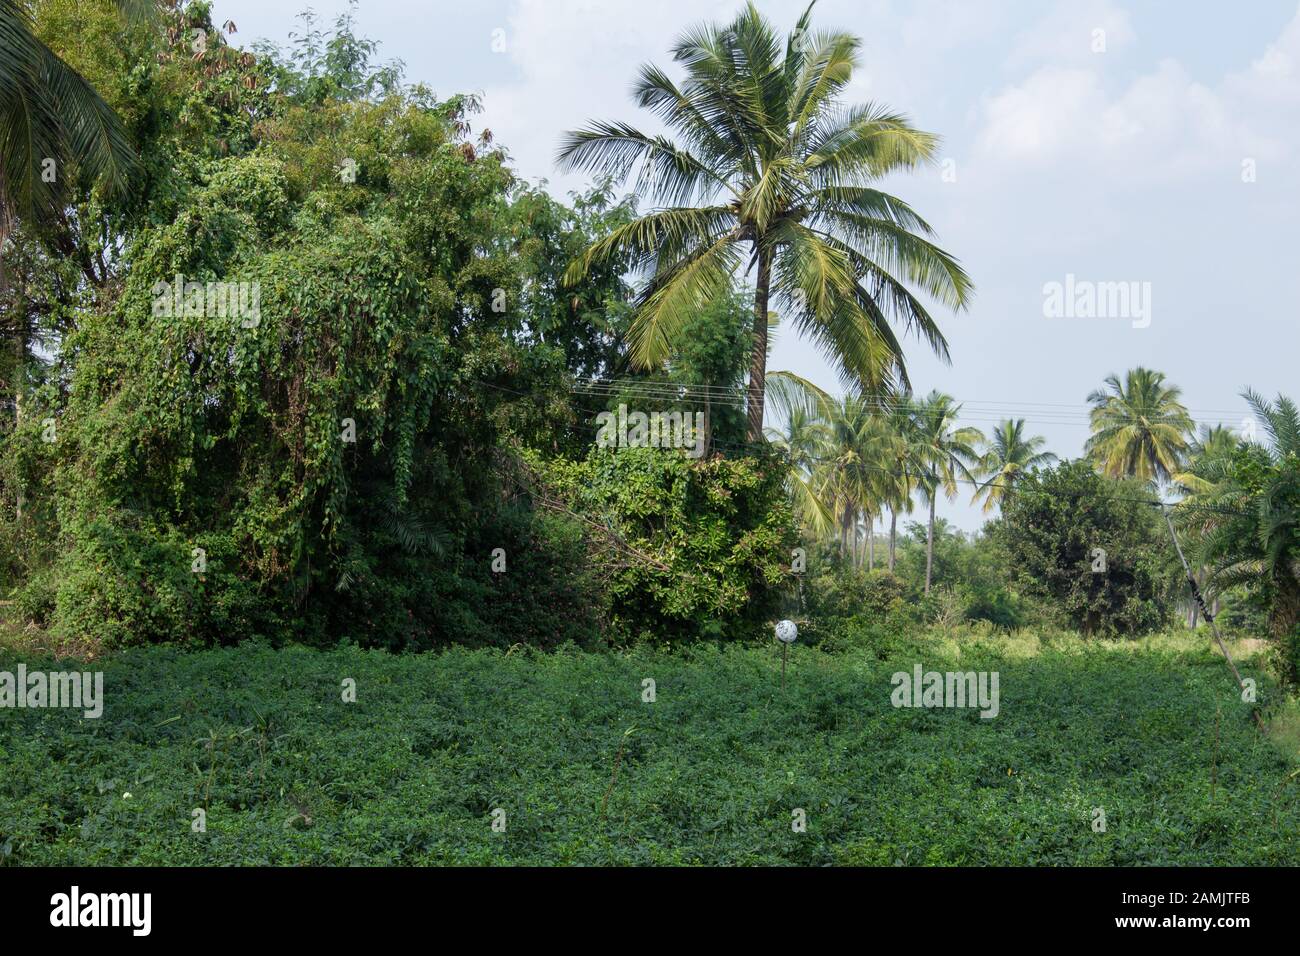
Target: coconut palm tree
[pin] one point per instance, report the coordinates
(52, 122)
(772, 174)
(945, 454)
(844, 477)
(1008, 454)
(880, 449)
(804, 411)
(853, 460)
(902, 467)
(801, 437)
(1215, 444)
(1139, 427)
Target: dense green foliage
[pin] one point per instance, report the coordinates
(385, 437)
(337, 458)
(693, 550)
(1243, 515)
(711, 772)
(1095, 547)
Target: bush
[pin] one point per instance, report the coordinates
(688, 550)
(834, 588)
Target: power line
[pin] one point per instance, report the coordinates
(733, 397)
(612, 384)
(750, 447)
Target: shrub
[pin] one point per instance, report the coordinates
(688, 550)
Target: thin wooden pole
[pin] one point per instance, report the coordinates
(1205, 612)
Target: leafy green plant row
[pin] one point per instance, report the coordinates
(711, 772)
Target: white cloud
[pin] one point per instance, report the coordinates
(1162, 125)
(1070, 33)
(1275, 75)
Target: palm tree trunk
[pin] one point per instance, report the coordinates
(893, 536)
(758, 357)
(929, 546)
(1282, 619)
(1193, 610)
(871, 544)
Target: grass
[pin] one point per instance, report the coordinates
(712, 772)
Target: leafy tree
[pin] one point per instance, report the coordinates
(585, 320)
(1095, 548)
(1139, 427)
(320, 66)
(772, 173)
(180, 108)
(1008, 454)
(195, 435)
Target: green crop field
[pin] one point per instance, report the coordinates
(719, 769)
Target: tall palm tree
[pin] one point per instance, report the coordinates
(844, 478)
(850, 479)
(805, 411)
(1008, 454)
(1206, 456)
(51, 122)
(902, 467)
(772, 174)
(801, 437)
(1139, 427)
(54, 130)
(946, 454)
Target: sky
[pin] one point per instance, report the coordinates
(1086, 144)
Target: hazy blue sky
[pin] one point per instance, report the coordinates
(1124, 165)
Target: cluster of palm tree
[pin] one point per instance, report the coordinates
(1238, 498)
(1240, 509)
(854, 459)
